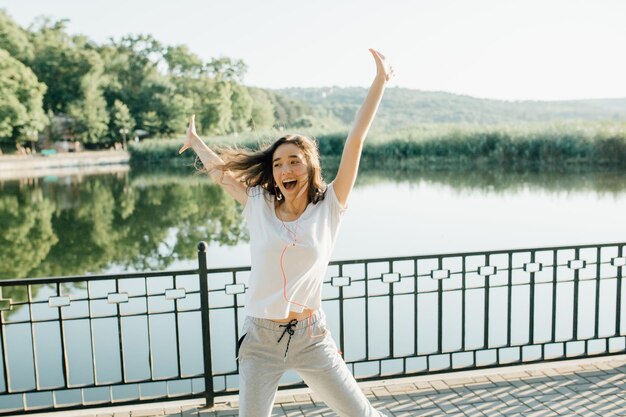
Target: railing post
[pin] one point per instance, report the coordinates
(206, 327)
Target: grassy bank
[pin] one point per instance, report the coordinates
(586, 143)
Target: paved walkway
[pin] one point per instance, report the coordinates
(586, 387)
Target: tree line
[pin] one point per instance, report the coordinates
(66, 87)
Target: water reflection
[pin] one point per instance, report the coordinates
(148, 219)
(499, 180)
(84, 225)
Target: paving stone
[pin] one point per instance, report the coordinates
(496, 378)
(443, 397)
(410, 413)
(423, 401)
(147, 413)
(316, 398)
(392, 388)
(497, 390)
(403, 407)
(314, 413)
(448, 408)
(552, 372)
(458, 382)
(507, 398)
(380, 392)
(290, 406)
(302, 398)
(424, 412)
(281, 399)
(424, 385)
(514, 409)
(293, 413)
(439, 385)
(515, 375)
(558, 407)
(206, 412)
(540, 413)
(401, 400)
(470, 410)
(608, 366)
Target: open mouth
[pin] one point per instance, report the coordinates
(289, 184)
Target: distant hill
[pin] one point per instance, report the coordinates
(403, 107)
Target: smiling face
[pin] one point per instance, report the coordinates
(291, 171)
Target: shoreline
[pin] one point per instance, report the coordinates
(14, 167)
(20, 162)
(24, 166)
(61, 172)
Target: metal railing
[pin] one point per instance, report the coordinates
(89, 341)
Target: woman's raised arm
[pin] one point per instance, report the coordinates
(212, 162)
(346, 175)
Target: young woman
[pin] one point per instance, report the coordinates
(293, 218)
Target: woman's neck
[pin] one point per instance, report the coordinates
(294, 208)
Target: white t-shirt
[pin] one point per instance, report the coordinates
(304, 264)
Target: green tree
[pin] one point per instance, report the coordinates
(15, 39)
(150, 121)
(215, 110)
(176, 114)
(21, 98)
(200, 91)
(168, 111)
(152, 98)
(287, 110)
(131, 74)
(262, 112)
(58, 64)
(121, 118)
(182, 62)
(226, 69)
(241, 108)
(90, 116)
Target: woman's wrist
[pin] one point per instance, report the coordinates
(196, 142)
(380, 78)
(379, 83)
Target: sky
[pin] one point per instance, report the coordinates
(500, 49)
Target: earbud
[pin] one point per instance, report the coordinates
(277, 193)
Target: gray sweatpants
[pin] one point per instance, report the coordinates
(263, 361)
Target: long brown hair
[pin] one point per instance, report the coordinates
(254, 168)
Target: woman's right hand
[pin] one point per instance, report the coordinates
(191, 134)
(383, 67)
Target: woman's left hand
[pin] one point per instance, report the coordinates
(383, 68)
(190, 134)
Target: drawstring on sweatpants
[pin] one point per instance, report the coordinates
(288, 329)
